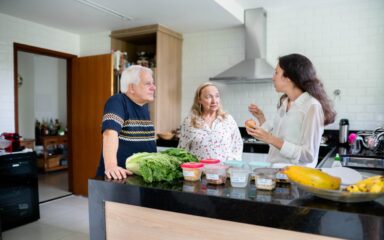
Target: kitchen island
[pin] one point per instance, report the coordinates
(190, 210)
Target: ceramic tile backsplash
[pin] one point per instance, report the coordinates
(344, 40)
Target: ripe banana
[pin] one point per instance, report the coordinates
(312, 177)
(373, 184)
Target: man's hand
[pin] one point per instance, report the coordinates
(110, 146)
(117, 172)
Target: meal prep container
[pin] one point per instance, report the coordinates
(265, 178)
(209, 161)
(239, 177)
(215, 173)
(233, 164)
(192, 171)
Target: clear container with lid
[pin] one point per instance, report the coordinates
(233, 164)
(239, 177)
(192, 171)
(258, 164)
(208, 161)
(265, 178)
(280, 176)
(215, 173)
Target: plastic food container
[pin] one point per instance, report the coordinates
(233, 164)
(281, 177)
(259, 164)
(239, 177)
(192, 171)
(215, 173)
(265, 178)
(209, 161)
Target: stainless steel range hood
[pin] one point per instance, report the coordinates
(254, 69)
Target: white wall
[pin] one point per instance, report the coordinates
(344, 41)
(25, 32)
(43, 94)
(26, 101)
(95, 44)
(50, 88)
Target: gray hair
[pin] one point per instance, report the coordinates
(131, 75)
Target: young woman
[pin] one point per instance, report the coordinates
(304, 109)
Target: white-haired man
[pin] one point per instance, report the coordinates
(126, 125)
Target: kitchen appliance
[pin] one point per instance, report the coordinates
(343, 131)
(19, 194)
(15, 139)
(254, 69)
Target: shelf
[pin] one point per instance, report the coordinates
(51, 169)
(51, 161)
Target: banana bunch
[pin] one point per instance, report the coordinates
(373, 184)
(312, 177)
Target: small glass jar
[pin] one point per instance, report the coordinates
(265, 179)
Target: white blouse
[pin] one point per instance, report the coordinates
(300, 128)
(223, 141)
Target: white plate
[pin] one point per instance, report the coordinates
(348, 175)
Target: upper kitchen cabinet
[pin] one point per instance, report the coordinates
(163, 48)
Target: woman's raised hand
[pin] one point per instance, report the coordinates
(257, 113)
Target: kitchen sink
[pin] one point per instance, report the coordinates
(363, 162)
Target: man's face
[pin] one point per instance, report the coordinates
(144, 91)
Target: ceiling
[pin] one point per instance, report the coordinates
(184, 16)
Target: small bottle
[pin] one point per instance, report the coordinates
(336, 161)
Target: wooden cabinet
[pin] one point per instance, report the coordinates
(165, 45)
(54, 155)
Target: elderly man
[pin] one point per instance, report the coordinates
(126, 126)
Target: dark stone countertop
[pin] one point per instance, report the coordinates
(286, 207)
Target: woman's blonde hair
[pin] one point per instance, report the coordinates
(197, 110)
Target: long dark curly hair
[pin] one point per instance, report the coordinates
(300, 70)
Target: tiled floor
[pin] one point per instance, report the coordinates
(53, 185)
(62, 219)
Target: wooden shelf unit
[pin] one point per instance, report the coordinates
(165, 45)
(51, 162)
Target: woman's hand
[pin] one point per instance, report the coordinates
(262, 135)
(257, 113)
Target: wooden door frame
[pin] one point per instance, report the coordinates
(18, 47)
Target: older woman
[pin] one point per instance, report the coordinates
(209, 132)
(304, 109)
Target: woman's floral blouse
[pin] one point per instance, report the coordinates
(223, 141)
